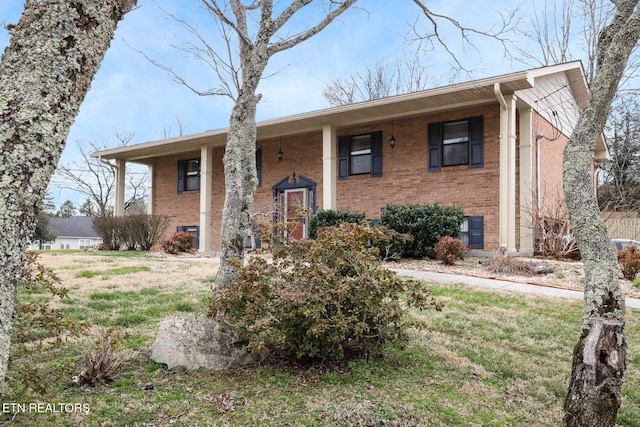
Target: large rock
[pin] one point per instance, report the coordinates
(199, 342)
(542, 267)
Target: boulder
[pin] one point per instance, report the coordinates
(542, 267)
(200, 342)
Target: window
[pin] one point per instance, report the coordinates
(359, 155)
(456, 143)
(188, 175)
(84, 244)
(472, 232)
(192, 174)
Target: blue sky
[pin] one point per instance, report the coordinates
(129, 94)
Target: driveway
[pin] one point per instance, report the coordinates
(633, 303)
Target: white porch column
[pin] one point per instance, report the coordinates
(507, 207)
(511, 177)
(526, 182)
(329, 168)
(121, 171)
(150, 190)
(206, 169)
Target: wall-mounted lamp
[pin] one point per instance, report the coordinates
(392, 140)
(280, 151)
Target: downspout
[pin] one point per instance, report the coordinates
(501, 100)
(538, 139)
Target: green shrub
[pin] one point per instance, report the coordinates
(330, 217)
(179, 242)
(629, 258)
(449, 250)
(426, 223)
(319, 298)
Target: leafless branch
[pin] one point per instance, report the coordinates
(509, 22)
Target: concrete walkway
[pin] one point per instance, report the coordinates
(503, 285)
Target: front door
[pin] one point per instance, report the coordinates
(294, 200)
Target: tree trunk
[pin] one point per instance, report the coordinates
(240, 183)
(599, 358)
(45, 73)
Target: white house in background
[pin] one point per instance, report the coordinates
(75, 232)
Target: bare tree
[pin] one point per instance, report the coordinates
(430, 37)
(45, 73)
(410, 74)
(251, 33)
(599, 358)
(379, 81)
(620, 186)
(96, 179)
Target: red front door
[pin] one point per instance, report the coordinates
(296, 199)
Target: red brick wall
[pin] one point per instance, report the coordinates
(405, 177)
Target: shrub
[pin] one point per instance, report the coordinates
(426, 223)
(102, 365)
(108, 229)
(319, 298)
(330, 217)
(140, 232)
(503, 264)
(179, 242)
(449, 250)
(38, 327)
(389, 243)
(629, 259)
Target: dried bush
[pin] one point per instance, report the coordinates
(102, 365)
(390, 244)
(321, 298)
(629, 259)
(503, 264)
(139, 232)
(449, 250)
(554, 237)
(179, 242)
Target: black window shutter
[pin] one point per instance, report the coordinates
(199, 173)
(435, 139)
(259, 166)
(376, 153)
(476, 142)
(181, 167)
(343, 157)
(476, 232)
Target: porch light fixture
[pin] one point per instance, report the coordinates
(280, 151)
(392, 140)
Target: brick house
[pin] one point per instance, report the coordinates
(492, 147)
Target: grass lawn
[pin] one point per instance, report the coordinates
(488, 359)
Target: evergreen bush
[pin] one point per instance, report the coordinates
(425, 223)
(332, 217)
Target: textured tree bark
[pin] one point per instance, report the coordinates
(239, 158)
(45, 73)
(599, 358)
